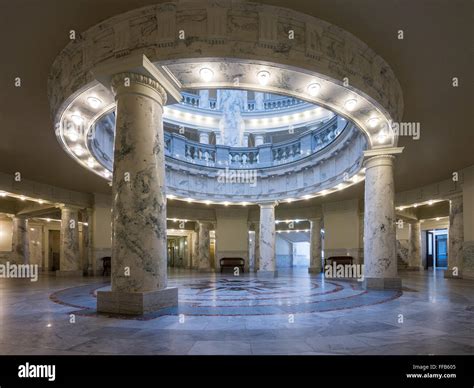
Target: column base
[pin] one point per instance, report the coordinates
(204, 270)
(414, 268)
(314, 269)
(69, 273)
(382, 283)
(267, 274)
(136, 303)
(448, 274)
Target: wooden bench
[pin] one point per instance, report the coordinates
(344, 260)
(232, 262)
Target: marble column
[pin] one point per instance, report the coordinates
(139, 244)
(267, 260)
(204, 137)
(88, 248)
(257, 248)
(20, 241)
(69, 254)
(204, 99)
(259, 101)
(259, 139)
(218, 138)
(315, 264)
(204, 255)
(455, 238)
(414, 249)
(380, 256)
(245, 140)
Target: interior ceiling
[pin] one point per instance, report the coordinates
(437, 46)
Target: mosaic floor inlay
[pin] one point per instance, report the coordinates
(231, 296)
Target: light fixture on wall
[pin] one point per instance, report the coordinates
(206, 74)
(263, 77)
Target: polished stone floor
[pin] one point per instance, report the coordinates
(221, 314)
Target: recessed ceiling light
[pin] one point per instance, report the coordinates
(313, 89)
(430, 203)
(206, 74)
(437, 218)
(94, 102)
(263, 77)
(350, 104)
(373, 122)
(77, 119)
(91, 162)
(48, 219)
(72, 135)
(382, 137)
(22, 197)
(107, 173)
(2, 194)
(78, 150)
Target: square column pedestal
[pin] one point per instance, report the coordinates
(136, 303)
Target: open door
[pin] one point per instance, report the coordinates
(429, 249)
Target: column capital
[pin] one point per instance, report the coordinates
(125, 82)
(267, 205)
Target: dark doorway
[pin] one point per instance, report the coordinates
(54, 249)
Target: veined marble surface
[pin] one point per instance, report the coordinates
(267, 259)
(20, 241)
(414, 251)
(437, 317)
(139, 249)
(455, 235)
(69, 257)
(379, 219)
(231, 124)
(315, 246)
(204, 255)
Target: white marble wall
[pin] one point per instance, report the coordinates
(139, 246)
(69, 256)
(267, 260)
(380, 256)
(20, 241)
(315, 263)
(414, 250)
(204, 244)
(455, 238)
